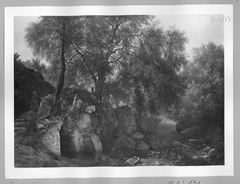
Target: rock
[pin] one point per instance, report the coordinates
(149, 162)
(125, 144)
(84, 121)
(176, 144)
(31, 113)
(207, 149)
(88, 143)
(78, 103)
(39, 126)
(205, 158)
(213, 152)
(219, 146)
(18, 139)
(75, 144)
(106, 161)
(196, 141)
(90, 109)
(31, 118)
(50, 122)
(154, 144)
(220, 156)
(25, 82)
(133, 161)
(154, 154)
(195, 156)
(142, 148)
(21, 119)
(51, 138)
(21, 124)
(29, 141)
(27, 156)
(45, 106)
(126, 121)
(20, 129)
(137, 136)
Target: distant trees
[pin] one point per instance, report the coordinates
(203, 101)
(36, 65)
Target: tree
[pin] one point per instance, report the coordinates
(50, 38)
(203, 102)
(153, 70)
(124, 58)
(107, 44)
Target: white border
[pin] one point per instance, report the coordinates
(98, 172)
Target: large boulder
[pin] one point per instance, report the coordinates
(142, 148)
(126, 122)
(137, 136)
(126, 145)
(106, 161)
(51, 137)
(149, 162)
(78, 144)
(84, 121)
(25, 82)
(26, 156)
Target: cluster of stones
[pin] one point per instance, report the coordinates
(22, 125)
(197, 151)
(129, 140)
(69, 135)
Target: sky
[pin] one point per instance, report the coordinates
(198, 28)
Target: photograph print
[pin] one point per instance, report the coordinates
(125, 90)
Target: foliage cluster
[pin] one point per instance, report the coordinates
(125, 59)
(203, 101)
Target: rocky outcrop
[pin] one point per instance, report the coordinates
(80, 144)
(125, 143)
(137, 136)
(106, 161)
(25, 82)
(132, 144)
(154, 143)
(142, 148)
(78, 132)
(197, 153)
(51, 137)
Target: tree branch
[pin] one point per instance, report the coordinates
(116, 60)
(85, 64)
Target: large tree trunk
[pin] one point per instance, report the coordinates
(100, 86)
(99, 96)
(62, 74)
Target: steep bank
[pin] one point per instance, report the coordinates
(25, 82)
